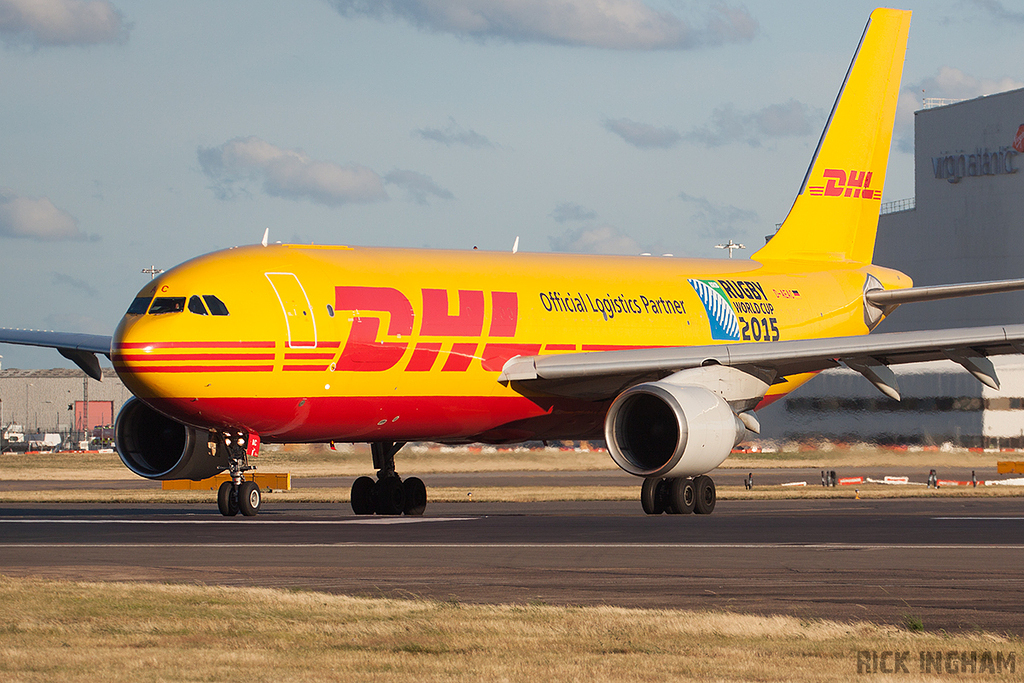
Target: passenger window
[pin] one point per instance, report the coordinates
(139, 305)
(167, 304)
(330, 310)
(216, 306)
(195, 304)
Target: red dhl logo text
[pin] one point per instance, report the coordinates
(839, 183)
(370, 305)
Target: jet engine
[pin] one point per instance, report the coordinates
(662, 429)
(154, 446)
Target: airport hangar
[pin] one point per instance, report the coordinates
(965, 224)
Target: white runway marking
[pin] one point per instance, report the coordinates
(367, 521)
(1015, 519)
(542, 546)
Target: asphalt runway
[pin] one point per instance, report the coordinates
(955, 564)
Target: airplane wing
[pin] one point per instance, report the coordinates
(81, 349)
(604, 374)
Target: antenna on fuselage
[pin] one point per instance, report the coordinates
(266, 236)
(515, 245)
(152, 271)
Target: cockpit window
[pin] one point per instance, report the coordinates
(139, 305)
(215, 305)
(195, 304)
(167, 304)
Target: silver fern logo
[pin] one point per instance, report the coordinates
(721, 315)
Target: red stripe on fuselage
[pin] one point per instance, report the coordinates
(143, 369)
(196, 345)
(124, 357)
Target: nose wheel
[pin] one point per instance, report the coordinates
(245, 498)
(389, 494)
(239, 496)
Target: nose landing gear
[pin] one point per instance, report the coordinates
(389, 494)
(239, 495)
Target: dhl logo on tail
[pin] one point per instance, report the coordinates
(838, 184)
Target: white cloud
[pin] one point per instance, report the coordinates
(729, 124)
(454, 134)
(948, 83)
(999, 12)
(643, 135)
(36, 219)
(568, 211)
(61, 22)
(719, 220)
(417, 185)
(288, 173)
(74, 283)
(611, 24)
(602, 239)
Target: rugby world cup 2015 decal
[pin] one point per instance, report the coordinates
(721, 315)
(723, 300)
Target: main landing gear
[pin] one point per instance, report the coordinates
(678, 495)
(238, 495)
(389, 495)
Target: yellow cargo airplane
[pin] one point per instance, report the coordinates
(665, 359)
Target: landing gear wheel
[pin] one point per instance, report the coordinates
(415, 496)
(249, 498)
(706, 495)
(682, 496)
(390, 496)
(654, 495)
(362, 496)
(649, 496)
(227, 500)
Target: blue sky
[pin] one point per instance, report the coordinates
(145, 133)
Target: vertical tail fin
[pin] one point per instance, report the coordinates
(835, 215)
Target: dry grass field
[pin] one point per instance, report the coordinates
(501, 494)
(352, 460)
(64, 631)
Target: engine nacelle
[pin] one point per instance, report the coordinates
(154, 446)
(660, 429)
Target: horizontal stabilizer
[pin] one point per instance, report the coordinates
(895, 297)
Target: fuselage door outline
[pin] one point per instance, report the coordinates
(288, 289)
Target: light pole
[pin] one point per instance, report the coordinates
(730, 245)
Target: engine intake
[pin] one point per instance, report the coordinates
(154, 446)
(660, 429)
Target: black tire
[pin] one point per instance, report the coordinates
(249, 498)
(390, 496)
(362, 496)
(415, 496)
(682, 495)
(706, 495)
(227, 500)
(649, 496)
(662, 502)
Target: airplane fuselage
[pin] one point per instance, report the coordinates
(316, 343)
